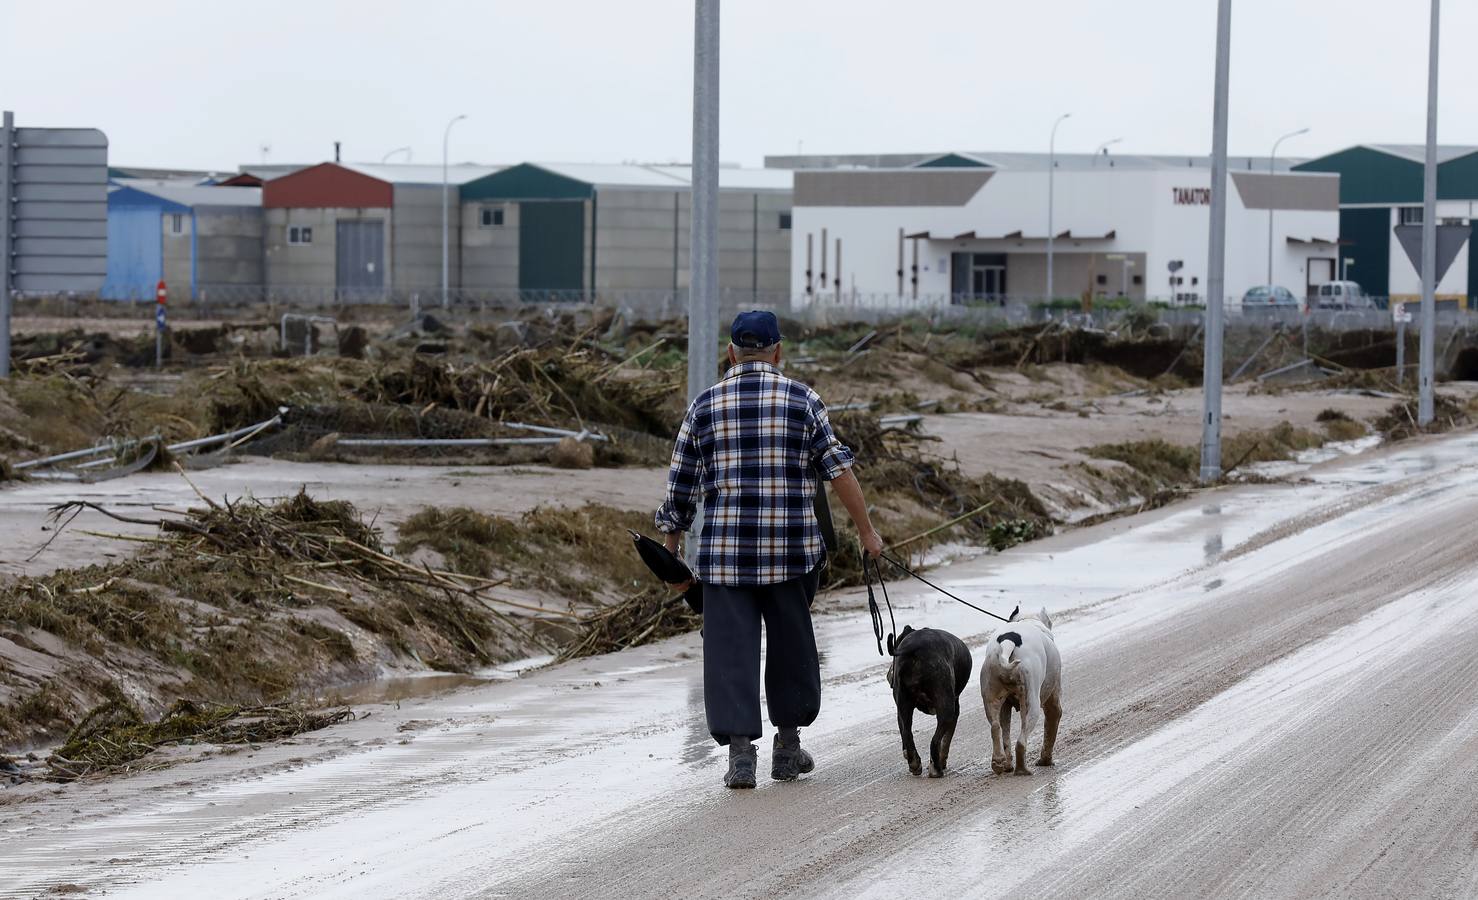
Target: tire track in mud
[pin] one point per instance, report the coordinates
(1116, 692)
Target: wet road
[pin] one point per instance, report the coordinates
(1268, 691)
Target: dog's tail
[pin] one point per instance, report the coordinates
(1007, 642)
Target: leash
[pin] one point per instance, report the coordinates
(872, 605)
(895, 562)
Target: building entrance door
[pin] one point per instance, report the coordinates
(989, 281)
(978, 276)
(359, 259)
(1319, 271)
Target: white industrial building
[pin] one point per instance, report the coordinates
(963, 228)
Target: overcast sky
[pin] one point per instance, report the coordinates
(207, 84)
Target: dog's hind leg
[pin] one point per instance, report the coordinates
(947, 712)
(1052, 714)
(997, 748)
(905, 730)
(1007, 705)
(1029, 716)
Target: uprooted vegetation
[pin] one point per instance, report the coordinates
(115, 737)
(921, 499)
(1158, 471)
(412, 396)
(1400, 421)
(576, 554)
(236, 603)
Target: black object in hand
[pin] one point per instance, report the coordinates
(666, 566)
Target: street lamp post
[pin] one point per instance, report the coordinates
(445, 253)
(1272, 161)
(1051, 171)
(405, 150)
(1100, 150)
(1425, 352)
(1216, 253)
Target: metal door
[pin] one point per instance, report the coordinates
(360, 259)
(551, 242)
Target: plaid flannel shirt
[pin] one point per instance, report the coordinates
(752, 446)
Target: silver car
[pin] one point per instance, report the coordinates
(1269, 298)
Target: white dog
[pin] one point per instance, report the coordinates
(1023, 672)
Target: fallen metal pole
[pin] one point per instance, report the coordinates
(899, 420)
(562, 432)
(1298, 365)
(228, 436)
(1255, 354)
(172, 448)
(442, 442)
(63, 457)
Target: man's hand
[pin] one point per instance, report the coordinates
(670, 541)
(679, 588)
(872, 543)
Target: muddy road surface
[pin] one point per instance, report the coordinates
(1269, 691)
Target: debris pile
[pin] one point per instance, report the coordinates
(114, 736)
(615, 602)
(239, 602)
(1400, 421)
(921, 499)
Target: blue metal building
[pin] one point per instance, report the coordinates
(198, 239)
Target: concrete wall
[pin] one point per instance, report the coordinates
(228, 247)
(178, 253)
(416, 236)
(314, 265)
(489, 254)
(642, 240)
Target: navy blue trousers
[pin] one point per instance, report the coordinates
(731, 656)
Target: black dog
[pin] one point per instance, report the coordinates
(930, 669)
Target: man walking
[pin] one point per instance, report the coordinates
(752, 447)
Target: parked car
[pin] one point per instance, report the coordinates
(1343, 295)
(1269, 298)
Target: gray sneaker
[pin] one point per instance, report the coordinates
(789, 761)
(741, 768)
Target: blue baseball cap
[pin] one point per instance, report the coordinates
(755, 330)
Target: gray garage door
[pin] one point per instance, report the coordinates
(360, 264)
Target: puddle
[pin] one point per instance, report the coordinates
(394, 690)
(429, 684)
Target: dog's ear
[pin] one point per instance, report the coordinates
(1045, 619)
(1014, 613)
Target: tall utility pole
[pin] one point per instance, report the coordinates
(446, 137)
(1425, 359)
(1216, 252)
(703, 297)
(7, 187)
(1272, 169)
(1051, 173)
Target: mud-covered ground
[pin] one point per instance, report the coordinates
(1269, 691)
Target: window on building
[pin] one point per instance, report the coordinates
(785, 221)
(1138, 280)
(1452, 221)
(300, 235)
(176, 224)
(1102, 279)
(1195, 280)
(1411, 215)
(492, 217)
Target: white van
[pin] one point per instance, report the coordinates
(1342, 295)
